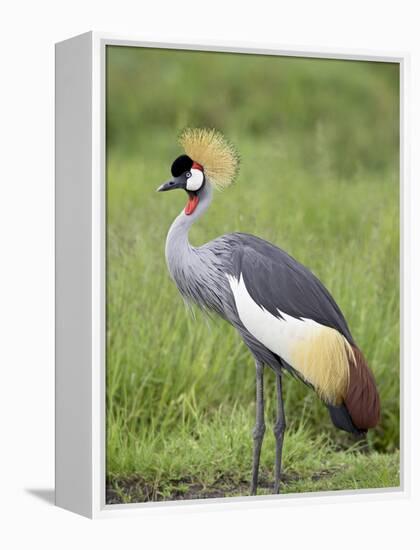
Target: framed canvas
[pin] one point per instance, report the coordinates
(254, 356)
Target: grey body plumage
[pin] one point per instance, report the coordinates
(275, 280)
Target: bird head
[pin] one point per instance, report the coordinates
(209, 159)
(188, 175)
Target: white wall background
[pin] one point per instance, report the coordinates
(28, 32)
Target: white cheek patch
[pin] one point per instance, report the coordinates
(196, 180)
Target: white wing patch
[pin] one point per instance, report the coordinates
(321, 354)
(281, 336)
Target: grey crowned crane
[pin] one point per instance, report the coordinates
(284, 314)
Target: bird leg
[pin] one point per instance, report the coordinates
(259, 429)
(279, 428)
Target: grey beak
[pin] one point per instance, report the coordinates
(171, 184)
(163, 187)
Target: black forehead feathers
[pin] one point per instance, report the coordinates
(181, 165)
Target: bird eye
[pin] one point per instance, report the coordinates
(187, 174)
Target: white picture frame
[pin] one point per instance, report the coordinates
(80, 275)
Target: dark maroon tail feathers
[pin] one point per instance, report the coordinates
(362, 399)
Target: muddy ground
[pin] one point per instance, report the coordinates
(136, 489)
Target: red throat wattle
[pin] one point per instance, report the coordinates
(191, 204)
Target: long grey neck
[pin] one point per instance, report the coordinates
(178, 249)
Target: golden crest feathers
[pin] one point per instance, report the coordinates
(213, 151)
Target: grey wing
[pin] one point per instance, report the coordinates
(276, 281)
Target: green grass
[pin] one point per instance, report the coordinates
(319, 178)
(218, 450)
